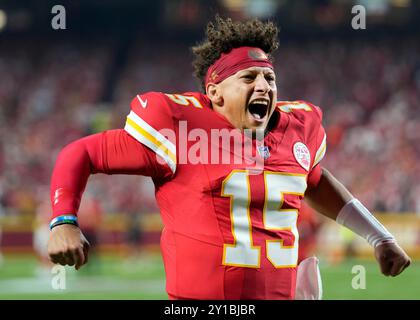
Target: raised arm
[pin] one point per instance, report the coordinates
(332, 199)
(110, 152)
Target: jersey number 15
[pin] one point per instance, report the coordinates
(243, 252)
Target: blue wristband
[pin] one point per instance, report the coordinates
(66, 219)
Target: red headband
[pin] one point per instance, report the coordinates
(237, 59)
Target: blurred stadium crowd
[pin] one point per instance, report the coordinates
(53, 93)
(58, 86)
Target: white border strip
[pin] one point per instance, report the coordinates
(139, 137)
(321, 151)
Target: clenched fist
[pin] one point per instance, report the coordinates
(68, 246)
(391, 258)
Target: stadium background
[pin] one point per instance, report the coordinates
(59, 85)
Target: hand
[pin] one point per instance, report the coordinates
(392, 259)
(68, 246)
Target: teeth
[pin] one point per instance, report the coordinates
(265, 102)
(256, 115)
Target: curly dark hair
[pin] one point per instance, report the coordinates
(223, 35)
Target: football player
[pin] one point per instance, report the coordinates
(229, 216)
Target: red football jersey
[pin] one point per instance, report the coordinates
(229, 226)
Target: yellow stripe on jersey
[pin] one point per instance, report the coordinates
(321, 151)
(289, 106)
(150, 137)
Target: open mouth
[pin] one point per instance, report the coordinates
(259, 109)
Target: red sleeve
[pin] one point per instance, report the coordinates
(314, 176)
(110, 152)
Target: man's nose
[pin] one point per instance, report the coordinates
(261, 84)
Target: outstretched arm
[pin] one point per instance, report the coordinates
(110, 152)
(332, 199)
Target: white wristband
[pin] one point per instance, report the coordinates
(356, 217)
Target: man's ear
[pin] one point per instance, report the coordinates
(214, 93)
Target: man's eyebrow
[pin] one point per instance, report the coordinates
(255, 71)
(247, 71)
(251, 71)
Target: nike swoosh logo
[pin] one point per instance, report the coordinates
(143, 103)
